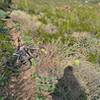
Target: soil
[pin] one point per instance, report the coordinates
(20, 86)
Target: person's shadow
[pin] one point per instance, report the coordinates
(68, 87)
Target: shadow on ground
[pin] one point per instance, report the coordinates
(68, 87)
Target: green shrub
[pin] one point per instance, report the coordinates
(98, 35)
(5, 4)
(6, 50)
(81, 16)
(1, 98)
(44, 85)
(93, 57)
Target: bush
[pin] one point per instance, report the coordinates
(5, 4)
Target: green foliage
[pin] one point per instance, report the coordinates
(6, 50)
(4, 77)
(27, 38)
(44, 85)
(3, 14)
(34, 75)
(33, 62)
(66, 20)
(93, 57)
(1, 23)
(1, 98)
(98, 35)
(5, 44)
(5, 4)
(80, 17)
(24, 4)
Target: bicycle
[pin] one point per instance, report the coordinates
(22, 57)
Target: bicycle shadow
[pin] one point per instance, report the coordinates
(68, 87)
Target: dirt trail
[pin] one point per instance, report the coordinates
(15, 35)
(21, 87)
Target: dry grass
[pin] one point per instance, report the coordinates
(27, 23)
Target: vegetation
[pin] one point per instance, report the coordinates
(65, 36)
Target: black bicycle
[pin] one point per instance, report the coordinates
(22, 57)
